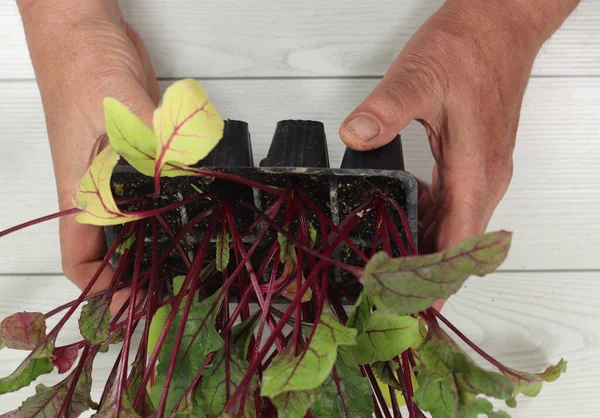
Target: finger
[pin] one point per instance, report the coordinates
(467, 200)
(83, 247)
(404, 94)
(439, 304)
(151, 79)
(128, 89)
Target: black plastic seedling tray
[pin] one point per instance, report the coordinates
(298, 156)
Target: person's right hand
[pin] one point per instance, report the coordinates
(82, 52)
(463, 76)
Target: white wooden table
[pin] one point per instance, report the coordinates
(263, 61)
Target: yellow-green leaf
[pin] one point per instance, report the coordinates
(530, 384)
(135, 141)
(131, 138)
(222, 258)
(94, 196)
(187, 125)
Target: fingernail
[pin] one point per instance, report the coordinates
(364, 127)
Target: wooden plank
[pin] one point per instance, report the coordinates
(552, 204)
(225, 38)
(525, 320)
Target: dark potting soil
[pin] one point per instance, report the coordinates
(337, 192)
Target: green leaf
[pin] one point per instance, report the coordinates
(440, 354)
(95, 320)
(110, 407)
(361, 312)
(222, 259)
(197, 189)
(295, 404)
(312, 233)
(408, 285)
(133, 385)
(200, 338)
(353, 398)
(283, 244)
(437, 394)
(125, 245)
(35, 365)
(131, 138)
(115, 337)
(385, 336)
(217, 386)
(385, 371)
(188, 406)
(176, 393)
(178, 284)
(242, 335)
(530, 384)
(23, 330)
(473, 407)
(309, 369)
(48, 401)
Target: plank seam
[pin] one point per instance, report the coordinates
(309, 78)
(508, 271)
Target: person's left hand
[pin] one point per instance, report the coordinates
(82, 52)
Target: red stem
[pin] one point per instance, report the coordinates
(237, 179)
(196, 264)
(264, 313)
(73, 384)
(405, 224)
(409, 385)
(335, 228)
(91, 283)
(39, 221)
(172, 206)
(474, 346)
(395, 406)
(122, 380)
(357, 271)
(239, 244)
(194, 276)
(170, 232)
(196, 380)
(377, 391)
(336, 379)
(391, 226)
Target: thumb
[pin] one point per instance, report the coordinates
(402, 96)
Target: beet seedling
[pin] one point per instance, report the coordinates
(241, 307)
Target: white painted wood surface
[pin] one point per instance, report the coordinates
(286, 59)
(551, 205)
(275, 38)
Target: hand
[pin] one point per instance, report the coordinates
(83, 51)
(463, 76)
